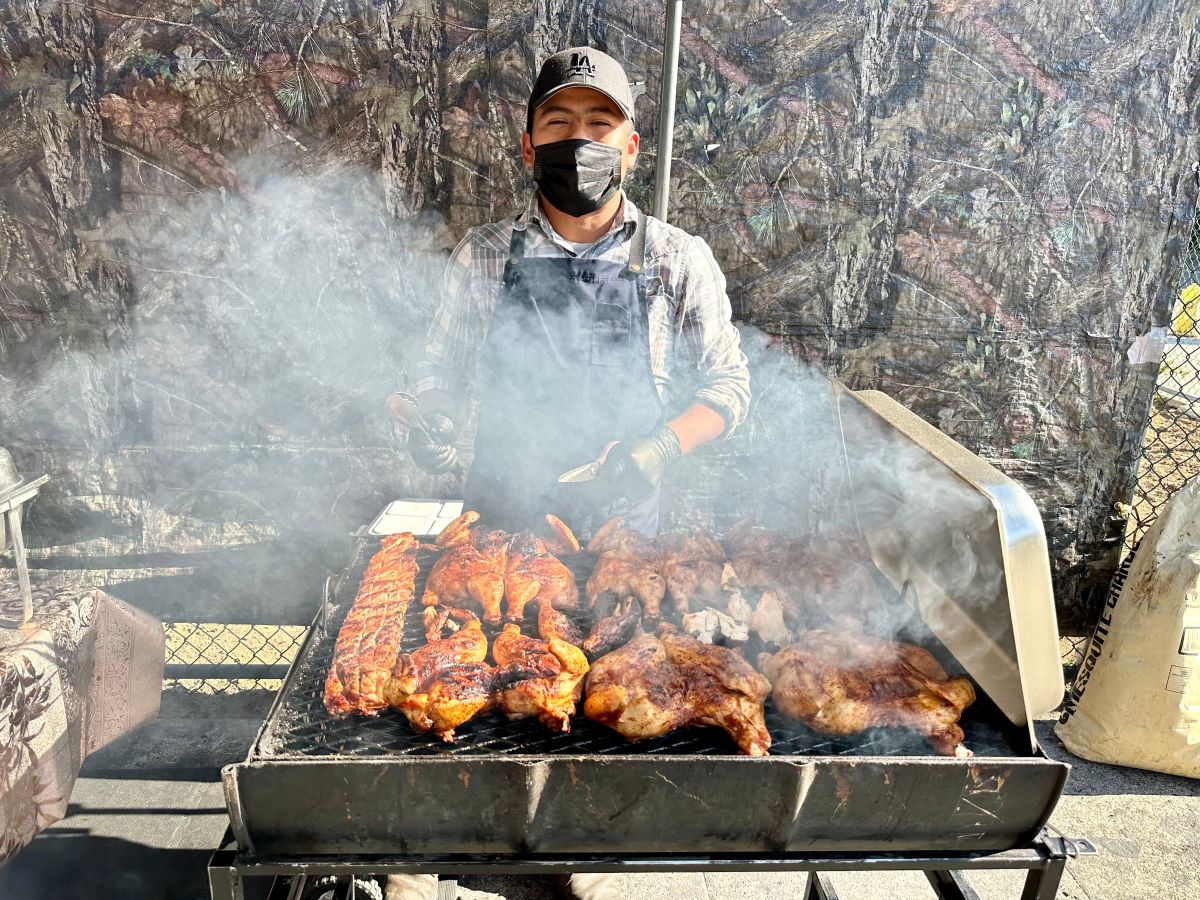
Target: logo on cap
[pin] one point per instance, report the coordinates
(581, 65)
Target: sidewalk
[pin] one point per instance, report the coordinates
(149, 811)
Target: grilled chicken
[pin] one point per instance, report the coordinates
(562, 541)
(768, 621)
(625, 576)
(724, 689)
(842, 587)
(471, 571)
(551, 697)
(654, 685)
(553, 624)
(825, 580)
(691, 564)
(747, 536)
(615, 629)
(685, 567)
(627, 565)
(445, 683)
(614, 537)
(533, 572)
(841, 684)
(728, 627)
(487, 567)
(458, 531)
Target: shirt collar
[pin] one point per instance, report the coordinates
(533, 214)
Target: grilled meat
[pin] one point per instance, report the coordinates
(553, 624)
(562, 541)
(654, 685)
(624, 576)
(768, 621)
(842, 587)
(825, 580)
(700, 544)
(533, 572)
(687, 567)
(615, 629)
(370, 636)
(446, 682)
(471, 571)
(459, 530)
(691, 564)
(844, 683)
(724, 690)
(729, 626)
(486, 567)
(747, 536)
(550, 697)
(614, 537)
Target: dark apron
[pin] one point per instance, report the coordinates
(565, 368)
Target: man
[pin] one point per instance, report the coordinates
(578, 323)
(579, 326)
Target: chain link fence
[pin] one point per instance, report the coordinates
(219, 658)
(1171, 446)
(1170, 453)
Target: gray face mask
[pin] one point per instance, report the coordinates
(577, 176)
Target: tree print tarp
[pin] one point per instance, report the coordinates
(221, 225)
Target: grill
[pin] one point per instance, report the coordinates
(512, 794)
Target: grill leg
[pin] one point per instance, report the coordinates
(950, 885)
(1042, 884)
(224, 882)
(818, 888)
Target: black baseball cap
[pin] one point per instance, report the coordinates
(581, 67)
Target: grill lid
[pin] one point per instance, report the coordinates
(969, 543)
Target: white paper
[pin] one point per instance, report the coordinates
(1148, 347)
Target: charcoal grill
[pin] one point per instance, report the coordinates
(316, 793)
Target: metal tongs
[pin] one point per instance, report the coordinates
(407, 411)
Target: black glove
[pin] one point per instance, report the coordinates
(634, 468)
(432, 446)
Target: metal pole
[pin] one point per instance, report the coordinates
(666, 109)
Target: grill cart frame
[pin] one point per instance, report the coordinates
(1044, 860)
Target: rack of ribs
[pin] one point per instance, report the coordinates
(369, 640)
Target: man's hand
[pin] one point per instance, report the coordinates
(634, 468)
(432, 447)
(430, 433)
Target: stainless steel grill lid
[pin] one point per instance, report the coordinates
(973, 552)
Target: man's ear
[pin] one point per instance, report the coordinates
(631, 150)
(527, 150)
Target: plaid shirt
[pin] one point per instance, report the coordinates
(695, 350)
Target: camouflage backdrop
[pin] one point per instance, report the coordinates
(221, 224)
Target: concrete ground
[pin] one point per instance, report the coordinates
(148, 811)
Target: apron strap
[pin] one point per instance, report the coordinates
(516, 250)
(637, 248)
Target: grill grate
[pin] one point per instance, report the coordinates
(299, 726)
